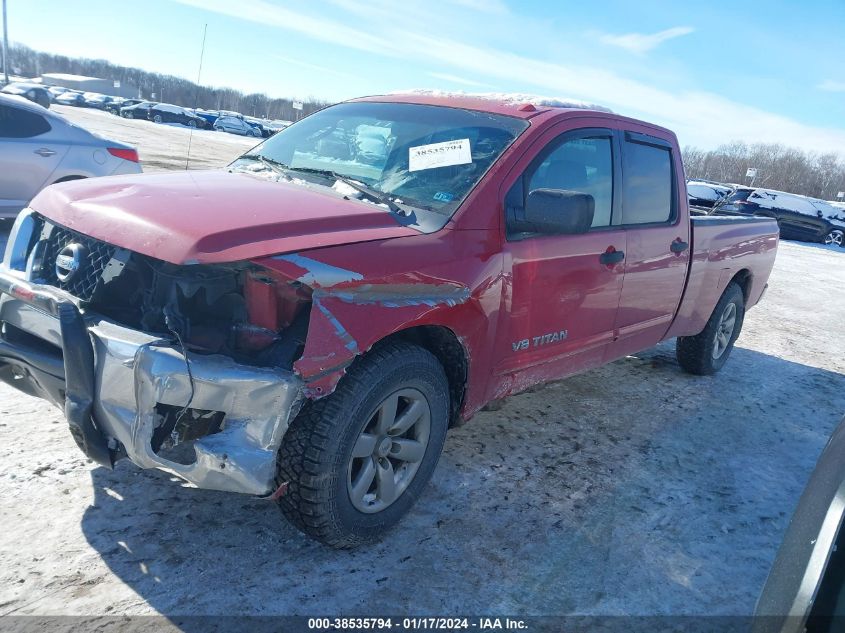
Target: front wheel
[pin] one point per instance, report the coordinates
(157, 118)
(357, 460)
(192, 124)
(836, 237)
(706, 352)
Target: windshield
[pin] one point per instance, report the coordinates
(428, 157)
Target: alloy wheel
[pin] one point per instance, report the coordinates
(836, 237)
(724, 330)
(389, 450)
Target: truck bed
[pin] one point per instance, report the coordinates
(724, 248)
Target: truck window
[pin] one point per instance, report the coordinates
(20, 123)
(584, 165)
(646, 184)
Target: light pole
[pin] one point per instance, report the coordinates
(5, 45)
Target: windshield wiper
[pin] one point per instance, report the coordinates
(373, 194)
(271, 164)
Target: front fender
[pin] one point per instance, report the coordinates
(352, 310)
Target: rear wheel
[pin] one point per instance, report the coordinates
(357, 460)
(836, 237)
(192, 124)
(129, 115)
(706, 352)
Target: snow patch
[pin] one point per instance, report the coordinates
(509, 98)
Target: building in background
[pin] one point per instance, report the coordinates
(89, 84)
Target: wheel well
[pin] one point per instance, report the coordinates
(444, 344)
(743, 279)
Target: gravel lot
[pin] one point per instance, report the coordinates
(631, 489)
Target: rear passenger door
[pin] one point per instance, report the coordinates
(657, 242)
(27, 156)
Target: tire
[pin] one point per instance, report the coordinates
(129, 115)
(157, 118)
(835, 236)
(705, 353)
(192, 124)
(316, 457)
(255, 133)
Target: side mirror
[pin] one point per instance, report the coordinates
(557, 211)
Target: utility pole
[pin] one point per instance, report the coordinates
(5, 45)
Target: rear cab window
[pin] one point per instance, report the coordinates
(648, 195)
(21, 123)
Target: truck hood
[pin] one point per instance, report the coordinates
(212, 216)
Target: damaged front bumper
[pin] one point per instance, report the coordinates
(114, 382)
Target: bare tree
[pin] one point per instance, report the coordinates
(778, 167)
(176, 90)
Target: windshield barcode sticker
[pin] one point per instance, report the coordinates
(439, 155)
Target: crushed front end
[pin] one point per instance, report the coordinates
(187, 368)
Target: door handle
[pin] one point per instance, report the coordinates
(45, 152)
(611, 257)
(678, 246)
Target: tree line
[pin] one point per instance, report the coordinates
(818, 175)
(176, 90)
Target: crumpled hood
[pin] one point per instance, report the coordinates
(212, 216)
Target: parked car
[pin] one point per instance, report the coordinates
(260, 125)
(210, 116)
(306, 325)
(138, 111)
(116, 106)
(34, 92)
(703, 195)
(55, 91)
(806, 584)
(236, 125)
(798, 217)
(277, 125)
(39, 147)
(99, 101)
(71, 98)
(166, 113)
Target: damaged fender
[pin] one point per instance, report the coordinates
(352, 308)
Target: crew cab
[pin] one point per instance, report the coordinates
(306, 324)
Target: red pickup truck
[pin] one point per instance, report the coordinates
(307, 324)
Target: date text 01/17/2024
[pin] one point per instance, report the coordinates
(539, 341)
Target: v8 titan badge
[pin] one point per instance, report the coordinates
(539, 341)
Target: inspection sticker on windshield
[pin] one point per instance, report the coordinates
(439, 155)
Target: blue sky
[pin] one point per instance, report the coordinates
(770, 71)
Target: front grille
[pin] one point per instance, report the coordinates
(87, 280)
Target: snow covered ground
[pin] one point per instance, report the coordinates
(162, 146)
(631, 489)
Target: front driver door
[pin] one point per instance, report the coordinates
(565, 288)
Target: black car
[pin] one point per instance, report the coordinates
(71, 98)
(137, 111)
(167, 113)
(34, 92)
(116, 106)
(798, 217)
